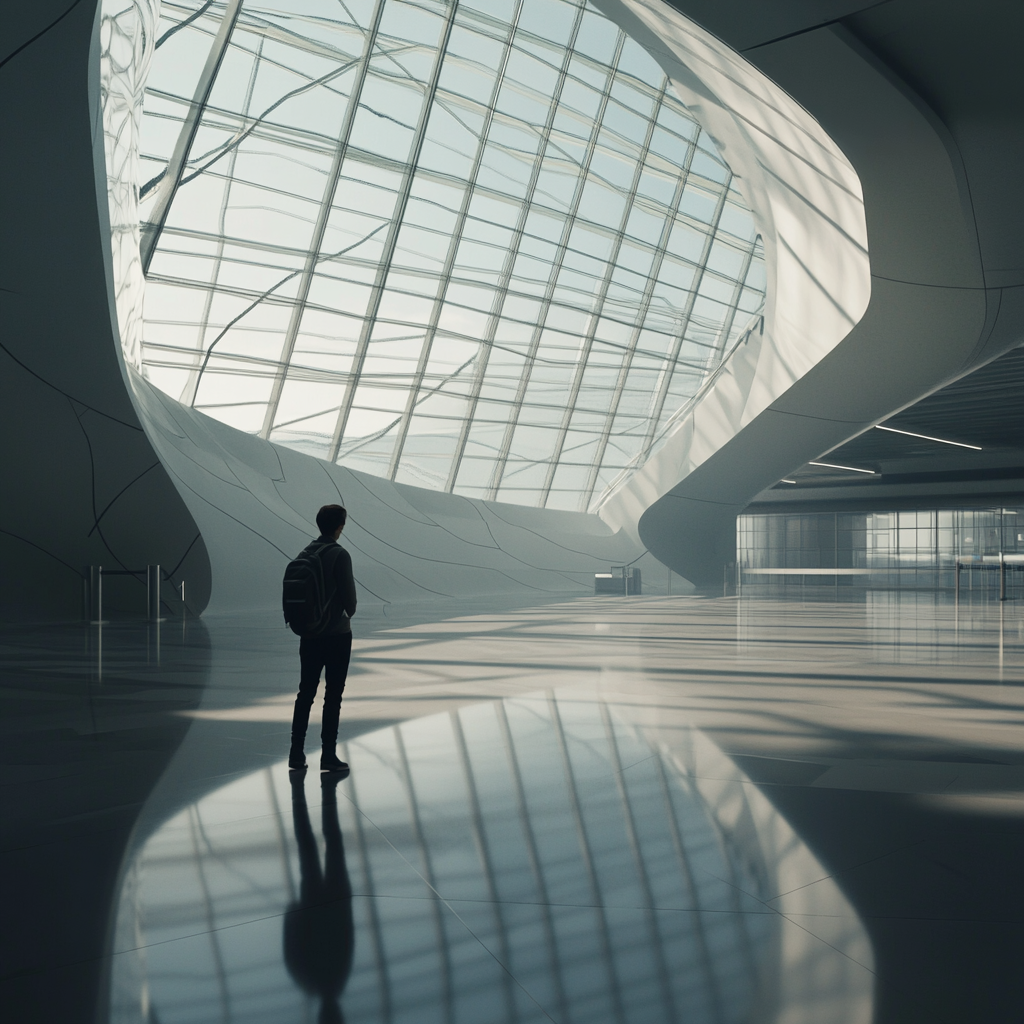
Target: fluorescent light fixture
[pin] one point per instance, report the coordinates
(849, 469)
(785, 481)
(928, 437)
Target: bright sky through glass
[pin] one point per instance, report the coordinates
(479, 247)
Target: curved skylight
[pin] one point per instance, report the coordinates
(476, 246)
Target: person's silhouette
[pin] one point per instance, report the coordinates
(319, 936)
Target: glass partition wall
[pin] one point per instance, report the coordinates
(916, 549)
(477, 246)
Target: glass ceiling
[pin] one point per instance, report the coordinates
(476, 246)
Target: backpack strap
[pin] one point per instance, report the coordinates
(328, 562)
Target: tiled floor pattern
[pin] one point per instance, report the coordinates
(652, 809)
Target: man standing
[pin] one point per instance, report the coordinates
(328, 648)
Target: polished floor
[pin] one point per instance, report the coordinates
(625, 810)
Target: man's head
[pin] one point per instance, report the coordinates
(330, 520)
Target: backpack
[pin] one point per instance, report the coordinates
(307, 593)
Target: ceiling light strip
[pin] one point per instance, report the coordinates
(849, 469)
(928, 437)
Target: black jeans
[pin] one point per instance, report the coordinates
(330, 655)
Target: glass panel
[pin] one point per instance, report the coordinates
(570, 255)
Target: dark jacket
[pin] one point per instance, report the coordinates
(340, 584)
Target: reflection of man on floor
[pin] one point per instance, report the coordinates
(319, 936)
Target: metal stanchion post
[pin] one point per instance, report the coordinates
(1002, 577)
(153, 592)
(94, 584)
(1002, 610)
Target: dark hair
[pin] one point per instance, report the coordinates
(329, 518)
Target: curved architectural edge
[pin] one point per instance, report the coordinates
(646, 265)
(850, 998)
(82, 484)
(93, 489)
(806, 199)
(930, 319)
(255, 501)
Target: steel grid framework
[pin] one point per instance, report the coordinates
(472, 246)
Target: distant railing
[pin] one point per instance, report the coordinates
(1001, 563)
(154, 576)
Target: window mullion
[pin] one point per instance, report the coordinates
(168, 187)
(549, 291)
(501, 292)
(188, 394)
(453, 248)
(323, 216)
(595, 316)
(662, 395)
(645, 305)
(390, 241)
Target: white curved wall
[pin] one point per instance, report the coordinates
(933, 314)
(806, 199)
(255, 503)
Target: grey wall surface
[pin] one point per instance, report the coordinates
(81, 483)
(921, 100)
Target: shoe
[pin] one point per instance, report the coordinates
(296, 761)
(332, 763)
